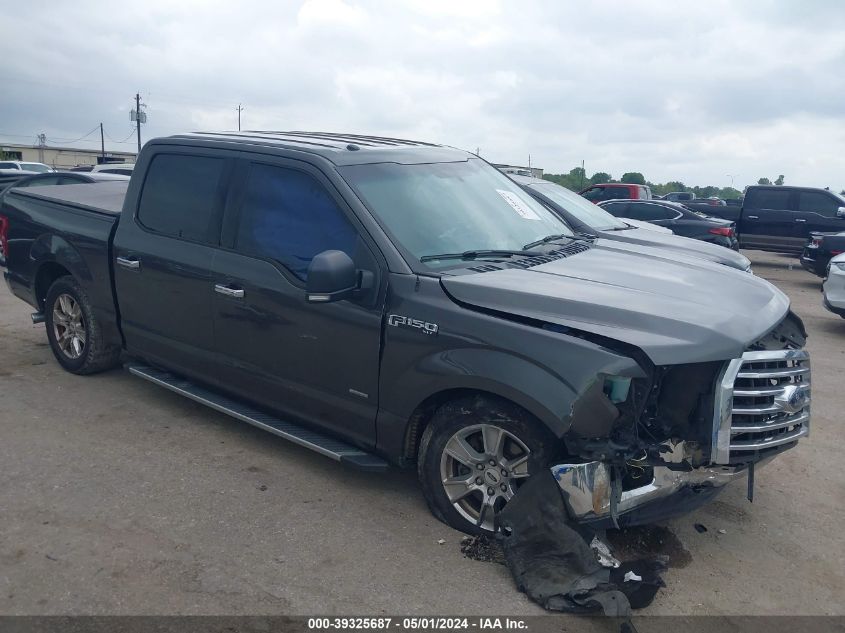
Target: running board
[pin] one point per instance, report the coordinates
(330, 447)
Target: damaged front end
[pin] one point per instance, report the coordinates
(669, 443)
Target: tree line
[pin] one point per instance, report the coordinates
(577, 179)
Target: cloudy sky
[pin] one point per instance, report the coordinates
(689, 91)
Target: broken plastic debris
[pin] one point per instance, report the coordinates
(629, 576)
(723, 531)
(605, 558)
(441, 541)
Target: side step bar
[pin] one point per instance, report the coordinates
(330, 447)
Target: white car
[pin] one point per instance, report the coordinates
(122, 169)
(834, 286)
(39, 168)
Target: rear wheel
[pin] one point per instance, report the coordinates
(74, 332)
(474, 455)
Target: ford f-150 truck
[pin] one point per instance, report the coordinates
(384, 301)
(780, 218)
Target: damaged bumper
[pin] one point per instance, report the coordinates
(589, 494)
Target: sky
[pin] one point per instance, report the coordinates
(706, 93)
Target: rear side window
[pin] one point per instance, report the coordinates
(619, 209)
(818, 202)
(289, 217)
(182, 197)
(767, 199)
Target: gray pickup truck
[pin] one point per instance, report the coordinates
(384, 301)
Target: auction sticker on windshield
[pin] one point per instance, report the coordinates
(518, 205)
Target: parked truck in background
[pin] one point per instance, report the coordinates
(616, 190)
(780, 218)
(384, 301)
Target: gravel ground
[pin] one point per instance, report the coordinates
(118, 497)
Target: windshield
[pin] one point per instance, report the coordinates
(35, 167)
(593, 216)
(440, 208)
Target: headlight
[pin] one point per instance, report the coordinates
(840, 265)
(616, 388)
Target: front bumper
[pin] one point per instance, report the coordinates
(834, 291)
(811, 261)
(588, 493)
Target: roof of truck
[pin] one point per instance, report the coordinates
(341, 149)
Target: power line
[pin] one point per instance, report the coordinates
(64, 140)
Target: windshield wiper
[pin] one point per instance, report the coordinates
(546, 240)
(476, 254)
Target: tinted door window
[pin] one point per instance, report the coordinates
(818, 202)
(619, 209)
(594, 194)
(768, 199)
(651, 212)
(182, 197)
(288, 216)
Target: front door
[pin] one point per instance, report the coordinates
(316, 362)
(817, 212)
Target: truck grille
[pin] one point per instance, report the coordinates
(762, 404)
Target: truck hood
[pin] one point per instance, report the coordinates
(683, 245)
(675, 311)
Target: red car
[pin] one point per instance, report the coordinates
(616, 191)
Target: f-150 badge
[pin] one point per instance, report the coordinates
(425, 327)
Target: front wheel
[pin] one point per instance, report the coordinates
(74, 332)
(474, 455)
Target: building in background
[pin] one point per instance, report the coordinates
(61, 157)
(536, 172)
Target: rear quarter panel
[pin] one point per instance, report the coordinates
(42, 233)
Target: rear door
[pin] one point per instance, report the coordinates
(768, 219)
(163, 259)
(816, 212)
(317, 362)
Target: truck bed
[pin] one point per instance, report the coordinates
(100, 197)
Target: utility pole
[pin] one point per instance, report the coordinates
(102, 145)
(42, 143)
(138, 118)
(583, 173)
(239, 109)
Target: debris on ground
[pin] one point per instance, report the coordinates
(554, 564)
(723, 531)
(482, 548)
(603, 555)
(700, 528)
(441, 541)
(648, 541)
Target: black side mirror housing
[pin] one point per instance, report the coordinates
(331, 277)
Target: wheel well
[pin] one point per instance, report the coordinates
(44, 278)
(422, 415)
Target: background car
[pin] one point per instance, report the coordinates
(588, 219)
(834, 286)
(680, 196)
(675, 216)
(58, 178)
(648, 226)
(25, 166)
(122, 169)
(614, 191)
(8, 176)
(820, 249)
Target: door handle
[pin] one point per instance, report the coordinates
(800, 220)
(752, 217)
(237, 293)
(126, 262)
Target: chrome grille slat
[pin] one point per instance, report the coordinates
(762, 402)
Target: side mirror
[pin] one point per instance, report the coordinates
(331, 277)
(840, 212)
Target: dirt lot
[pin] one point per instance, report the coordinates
(117, 497)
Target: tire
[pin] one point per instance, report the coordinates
(470, 422)
(75, 334)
